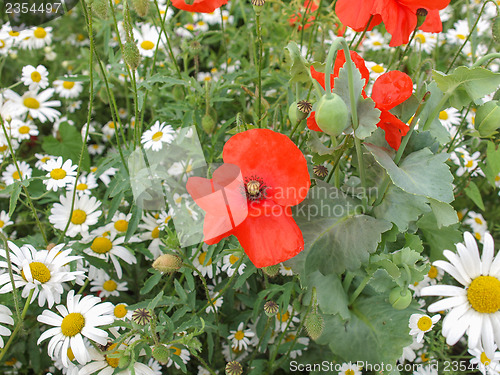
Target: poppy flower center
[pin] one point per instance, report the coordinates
(78, 217)
(121, 225)
(484, 294)
(31, 103)
(58, 173)
(36, 77)
(424, 323)
(109, 286)
(255, 189)
(72, 324)
(120, 311)
(101, 245)
(39, 271)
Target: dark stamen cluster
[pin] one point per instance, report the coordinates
(255, 188)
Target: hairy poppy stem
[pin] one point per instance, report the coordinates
(362, 35)
(407, 47)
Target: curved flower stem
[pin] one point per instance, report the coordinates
(359, 289)
(259, 68)
(11, 275)
(304, 21)
(18, 326)
(470, 34)
(25, 189)
(485, 58)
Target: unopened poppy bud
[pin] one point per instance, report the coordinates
(167, 263)
(314, 324)
(161, 353)
(487, 119)
(293, 113)
(131, 55)
(271, 308)
(100, 8)
(208, 123)
(234, 368)
(400, 298)
(271, 271)
(421, 16)
(332, 114)
(141, 7)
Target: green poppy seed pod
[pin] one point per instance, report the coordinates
(131, 55)
(293, 113)
(421, 16)
(167, 263)
(161, 353)
(399, 298)
(487, 119)
(332, 114)
(208, 124)
(100, 8)
(314, 324)
(141, 7)
(271, 308)
(496, 28)
(271, 271)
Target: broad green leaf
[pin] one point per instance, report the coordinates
(298, 70)
(467, 85)
(492, 168)
(421, 173)
(368, 117)
(331, 296)
(400, 207)
(472, 191)
(445, 214)
(315, 144)
(438, 239)
(376, 332)
(341, 87)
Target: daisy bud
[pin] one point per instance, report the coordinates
(141, 316)
(208, 123)
(320, 171)
(400, 298)
(332, 114)
(161, 353)
(234, 368)
(421, 16)
(496, 28)
(271, 308)
(314, 324)
(167, 263)
(100, 8)
(131, 55)
(141, 7)
(271, 271)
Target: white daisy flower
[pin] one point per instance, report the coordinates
(285, 271)
(121, 312)
(375, 69)
(203, 371)
(425, 41)
(85, 213)
(282, 319)
(4, 221)
(241, 337)
(301, 343)
(421, 323)
(349, 369)
(108, 130)
(106, 246)
(409, 351)
(36, 104)
(147, 38)
(36, 38)
(374, 41)
(5, 318)
(231, 353)
(153, 364)
(205, 265)
(450, 117)
(96, 149)
(84, 185)
(180, 352)
(11, 174)
(105, 286)
(44, 271)
(79, 318)
(157, 135)
(474, 308)
(164, 218)
(68, 89)
(23, 130)
(484, 364)
(216, 300)
(229, 264)
(152, 232)
(181, 168)
(35, 78)
(119, 223)
(426, 370)
(60, 174)
(105, 176)
(476, 222)
(74, 106)
(458, 33)
(42, 159)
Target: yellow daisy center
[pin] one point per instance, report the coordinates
(58, 173)
(478, 220)
(72, 324)
(484, 294)
(378, 69)
(469, 164)
(239, 335)
(433, 272)
(3, 148)
(177, 351)
(78, 217)
(121, 225)
(71, 356)
(15, 175)
(36, 77)
(120, 311)
(443, 115)
(349, 372)
(157, 136)
(424, 357)
(484, 359)
(82, 187)
(461, 36)
(147, 45)
(68, 85)
(233, 259)
(80, 37)
(377, 43)
(284, 317)
(11, 362)
(112, 361)
(478, 236)
(155, 233)
(424, 323)
(420, 38)
(39, 271)
(497, 178)
(40, 33)
(24, 129)
(290, 338)
(111, 125)
(109, 286)
(13, 33)
(2, 223)
(101, 245)
(31, 103)
(201, 259)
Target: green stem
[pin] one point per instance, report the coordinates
(359, 289)
(363, 34)
(224, 44)
(11, 275)
(407, 48)
(259, 41)
(485, 58)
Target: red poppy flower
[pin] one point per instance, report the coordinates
(251, 194)
(389, 90)
(399, 16)
(199, 6)
(308, 8)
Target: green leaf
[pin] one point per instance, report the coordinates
(472, 191)
(152, 305)
(376, 333)
(151, 282)
(69, 146)
(420, 173)
(492, 168)
(331, 296)
(445, 214)
(438, 239)
(341, 87)
(437, 129)
(298, 70)
(401, 208)
(315, 144)
(467, 85)
(368, 117)
(134, 221)
(14, 196)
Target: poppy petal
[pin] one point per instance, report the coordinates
(275, 159)
(399, 20)
(427, 4)
(394, 128)
(320, 77)
(391, 89)
(432, 23)
(272, 238)
(199, 6)
(311, 122)
(355, 13)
